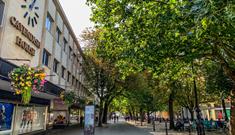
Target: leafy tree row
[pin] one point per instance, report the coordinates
(145, 35)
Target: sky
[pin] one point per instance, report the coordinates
(78, 14)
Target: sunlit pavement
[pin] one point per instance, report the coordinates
(124, 128)
(120, 128)
(161, 130)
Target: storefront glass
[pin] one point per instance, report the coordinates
(60, 117)
(74, 116)
(6, 112)
(30, 119)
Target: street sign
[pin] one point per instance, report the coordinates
(89, 127)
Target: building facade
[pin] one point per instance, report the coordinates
(210, 111)
(37, 33)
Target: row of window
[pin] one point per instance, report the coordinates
(49, 24)
(45, 61)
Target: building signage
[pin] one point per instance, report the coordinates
(20, 27)
(89, 128)
(59, 104)
(25, 46)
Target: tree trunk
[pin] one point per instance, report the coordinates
(171, 111)
(69, 110)
(233, 113)
(141, 117)
(131, 115)
(224, 109)
(148, 113)
(191, 113)
(105, 114)
(136, 116)
(231, 74)
(100, 114)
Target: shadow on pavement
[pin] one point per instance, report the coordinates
(121, 128)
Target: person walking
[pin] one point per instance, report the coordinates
(114, 118)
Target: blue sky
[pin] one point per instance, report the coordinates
(78, 14)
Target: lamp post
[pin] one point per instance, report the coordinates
(200, 126)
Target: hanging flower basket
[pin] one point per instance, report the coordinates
(69, 97)
(25, 79)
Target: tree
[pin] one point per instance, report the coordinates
(145, 33)
(218, 83)
(101, 75)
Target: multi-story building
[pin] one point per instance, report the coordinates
(211, 111)
(37, 32)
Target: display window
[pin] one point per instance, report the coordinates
(74, 116)
(6, 114)
(60, 117)
(30, 119)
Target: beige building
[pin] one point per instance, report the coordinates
(37, 32)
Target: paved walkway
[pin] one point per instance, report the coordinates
(161, 130)
(124, 128)
(121, 128)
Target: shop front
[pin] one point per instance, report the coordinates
(76, 111)
(16, 118)
(30, 119)
(59, 114)
(74, 116)
(6, 117)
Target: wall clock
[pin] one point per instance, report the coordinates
(31, 12)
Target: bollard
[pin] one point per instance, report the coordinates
(166, 127)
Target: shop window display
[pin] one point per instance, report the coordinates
(6, 112)
(60, 118)
(74, 116)
(30, 119)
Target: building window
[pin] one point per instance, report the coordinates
(58, 34)
(2, 5)
(49, 22)
(78, 61)
(63, 72)
(73, 81)
(55, 65)
(65, 44)
(74, 58)
(70, 52)
(45, 58)
(68, 79)
(76, 83)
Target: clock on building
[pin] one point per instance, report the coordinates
(31, 12)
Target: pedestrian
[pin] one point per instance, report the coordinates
(114, 118)
(81, 121)
(117, 118)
